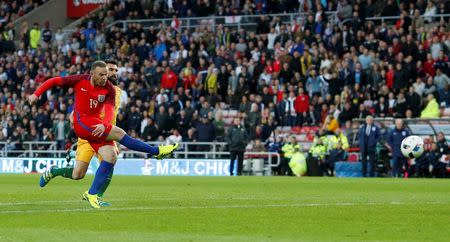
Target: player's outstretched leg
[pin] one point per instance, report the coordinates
(166, 150)
(53, 172)
(124, 139)
(46, 177)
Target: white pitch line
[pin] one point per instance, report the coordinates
(11, 204)
(212, 207)
(52, 202)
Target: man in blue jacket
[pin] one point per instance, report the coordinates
(369, 135)
(394, 142)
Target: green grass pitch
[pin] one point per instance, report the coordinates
(227, 209)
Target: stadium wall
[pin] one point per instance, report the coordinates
(53, 11)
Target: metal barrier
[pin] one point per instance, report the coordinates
(210, 150)
(211, 21)
(416, 125)
(30, 149)
(205, 150)
(383, 19)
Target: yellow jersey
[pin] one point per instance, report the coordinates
(116, 106)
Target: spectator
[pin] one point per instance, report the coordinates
(429, 88)
(369, 136)
(134, 119)
(161, 120)
(257, 146)
(35, 36)
(331, 124)
(440, 79)
(429, 11)
(313, 84)
(431, 109)
(205, 132)
(298, 163)
(237, 139)
(381, 109)
(219, 126)
(61, 129)
(301, 105)
(414, 101)
(339, 137)
(169, 79)
(316, 157)
(47, 34)
(444, 96)
(394, 140)
(288, 150)
(441, 160)
(419, 86)
(150, 131)
(336, 154)
(344, 10)
(174, 138)
(421, 165)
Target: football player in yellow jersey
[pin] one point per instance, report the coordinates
(85, 152)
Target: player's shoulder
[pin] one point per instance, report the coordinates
(77, 78)
(81, 77)
(117, 88)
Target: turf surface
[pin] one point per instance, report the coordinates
(227, 209)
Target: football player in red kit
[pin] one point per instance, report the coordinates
(94, 94)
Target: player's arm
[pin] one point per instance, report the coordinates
(55, 81)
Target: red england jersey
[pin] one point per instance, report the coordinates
(90, 100)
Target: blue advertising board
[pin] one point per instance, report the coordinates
(147, 167)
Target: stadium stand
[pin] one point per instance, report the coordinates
(283, 76)
(11, 10)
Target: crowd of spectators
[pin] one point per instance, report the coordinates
(149, 9)
(177, 82)
(11, 10)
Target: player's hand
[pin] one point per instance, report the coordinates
(32, 98)
(99, 130)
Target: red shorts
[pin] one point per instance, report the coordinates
(84, 126)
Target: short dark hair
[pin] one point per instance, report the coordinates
(111, 61)
(98, 64)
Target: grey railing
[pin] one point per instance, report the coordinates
(383, 19)
(418, 126)
(203, 150)
(211, 150)
(30, 149)
(212, 21)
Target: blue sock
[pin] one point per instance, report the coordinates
(101, 177)
(138, 145)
